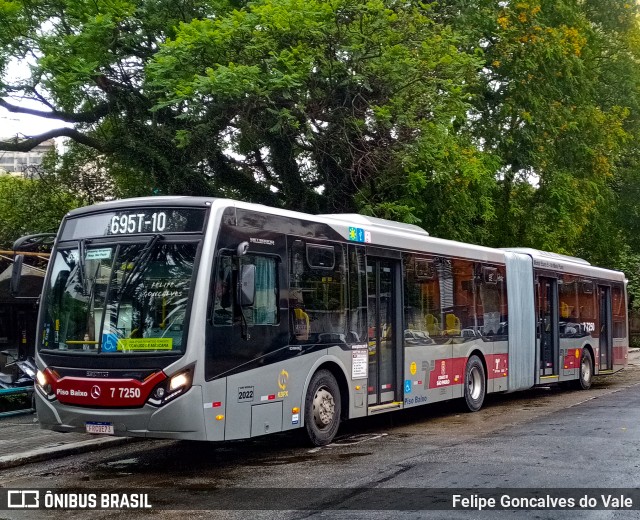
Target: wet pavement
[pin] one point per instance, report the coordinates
(22, 441)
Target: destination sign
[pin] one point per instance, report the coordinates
(135, 221)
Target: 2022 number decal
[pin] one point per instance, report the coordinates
(245, 393)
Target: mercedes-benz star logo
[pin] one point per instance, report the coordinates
(95, 392)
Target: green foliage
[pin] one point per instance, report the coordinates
(318, 99)
(557, 107)
(500, 123)
(30, 206)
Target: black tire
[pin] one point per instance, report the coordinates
(475, 385)
(322, 408)
(586, 371)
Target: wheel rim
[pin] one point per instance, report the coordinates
(586, 369)
(324, 408)
(474, 383)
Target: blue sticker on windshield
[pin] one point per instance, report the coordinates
(109, 342)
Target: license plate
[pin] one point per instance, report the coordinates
(105, 428)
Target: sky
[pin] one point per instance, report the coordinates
(12, 123)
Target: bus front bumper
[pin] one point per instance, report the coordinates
(182, 418)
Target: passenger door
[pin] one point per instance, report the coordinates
(605, 327)
(548, 325)
(385, 322)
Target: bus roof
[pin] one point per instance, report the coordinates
(383, 232)
(168, 200)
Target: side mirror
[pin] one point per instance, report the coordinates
(16, 275)
(243, 248)
(247, 285)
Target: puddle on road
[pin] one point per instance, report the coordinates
(297, 459)
(357, 439)
(122, 464)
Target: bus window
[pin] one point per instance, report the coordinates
(422, 300)
(587, 304)
(149, 292)
(264, 310)
(148, 289)
(357, 296)
(460, 315)
(619, 312)
(491, 301)
(223, 303)
(265, 305)
(318, 293)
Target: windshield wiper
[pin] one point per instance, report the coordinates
(139, 262)
(81, 267)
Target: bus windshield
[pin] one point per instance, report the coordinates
(115, 299)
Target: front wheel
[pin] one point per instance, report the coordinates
(475, 384)
(322, 408)
(586, 371)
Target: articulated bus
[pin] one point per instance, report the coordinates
(211, 319)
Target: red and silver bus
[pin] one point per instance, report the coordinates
(212, 319)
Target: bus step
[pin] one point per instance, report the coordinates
(385, 407)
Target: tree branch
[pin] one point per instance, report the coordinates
(25, 145)
(85, 117)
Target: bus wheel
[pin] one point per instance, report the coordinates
(586, 371)
(322, 408)
(474, 387)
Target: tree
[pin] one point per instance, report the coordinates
(29, 206)
(286, 102)
(556, 105)
(501, 123)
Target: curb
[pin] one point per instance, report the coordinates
(74, 448)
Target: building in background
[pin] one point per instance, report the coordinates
(17, 163)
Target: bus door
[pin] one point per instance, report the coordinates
(548, 325)
(383, 288)
(605, 321)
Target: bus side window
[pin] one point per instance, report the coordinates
(223, 304)
(265, 304)
(318, 293)
(264, 310)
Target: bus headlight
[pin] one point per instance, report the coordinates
(43, 383)
(172, 387)
(179, 380)
(42, 379)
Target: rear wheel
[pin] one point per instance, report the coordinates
(475, 385)
(586, 371)
(322, 408)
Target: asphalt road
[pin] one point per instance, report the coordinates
(543, 439)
